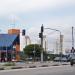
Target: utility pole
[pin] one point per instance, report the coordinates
(72, 37)
(72, 50)
(56, 46)
(61, 43)
(41, 36)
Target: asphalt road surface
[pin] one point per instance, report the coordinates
(53, 70)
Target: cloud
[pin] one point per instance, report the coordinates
(30, 14)
(64, 24)
(17, 6)
(33, 33)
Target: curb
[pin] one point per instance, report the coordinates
(17, 67)
(33, 66)
(2, 68)
(44, 66)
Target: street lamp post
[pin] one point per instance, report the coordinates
(60, 38)
(72, 50)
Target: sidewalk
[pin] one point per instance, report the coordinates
(39, 64)
(20, 65)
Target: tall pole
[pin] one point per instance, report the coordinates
(56, 46)
(72, 38)
(42, 43)
(42, 50)
(60, 43)
(41, 36)
(61, 40)
(6, 54)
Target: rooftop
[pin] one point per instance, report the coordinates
(7, 39)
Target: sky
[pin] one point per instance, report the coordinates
(31, 14)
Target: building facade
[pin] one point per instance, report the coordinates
(10, 45)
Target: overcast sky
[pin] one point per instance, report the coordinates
(31, 14)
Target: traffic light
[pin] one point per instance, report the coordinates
(42, 28)
(40, 35)
(23, 32)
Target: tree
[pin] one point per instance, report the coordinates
(32, 50)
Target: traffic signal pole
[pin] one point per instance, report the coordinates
(42, 48)
(41, 37)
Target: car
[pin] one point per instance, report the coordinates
(64, 59)
(61, 59)
(57, 59)
(72, 59)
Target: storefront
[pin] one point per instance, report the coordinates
(9, 47)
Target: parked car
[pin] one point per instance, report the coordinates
(57, 59)
(72, 59)
(64, 59)
(61, 59)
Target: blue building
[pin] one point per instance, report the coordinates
(8, 44)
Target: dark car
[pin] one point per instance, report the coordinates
(72, 59)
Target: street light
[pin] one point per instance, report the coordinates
(60, 38)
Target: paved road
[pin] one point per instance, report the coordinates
(53, 70)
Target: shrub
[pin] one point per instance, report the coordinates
(9, 64)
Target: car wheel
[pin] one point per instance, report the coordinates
(71, 63)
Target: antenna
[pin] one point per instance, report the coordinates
(72, 37)
(13, 21)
